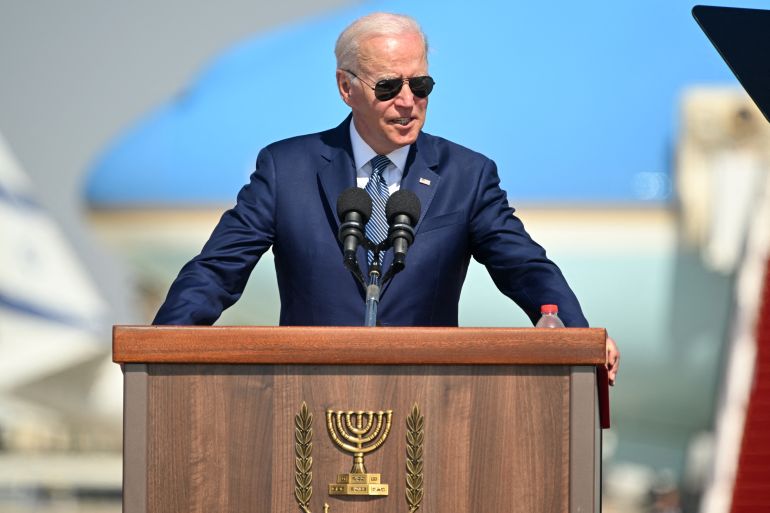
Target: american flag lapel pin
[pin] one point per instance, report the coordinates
(424, 181)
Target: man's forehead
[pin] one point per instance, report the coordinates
(386, 54)
(384, 43)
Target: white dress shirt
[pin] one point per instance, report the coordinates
(363, 154)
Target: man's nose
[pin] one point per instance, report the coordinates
(405, 97)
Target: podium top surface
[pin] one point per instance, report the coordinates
(358, 345)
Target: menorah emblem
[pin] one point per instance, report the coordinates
(360, 433)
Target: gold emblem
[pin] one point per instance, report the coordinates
(363, 436)
(358, 432)
(303, 462)
(415, 436)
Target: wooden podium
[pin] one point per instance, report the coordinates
(484, 420)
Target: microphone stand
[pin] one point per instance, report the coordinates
(351, 264)
(375, 281)
(373, 291)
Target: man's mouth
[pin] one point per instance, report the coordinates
(401, 121)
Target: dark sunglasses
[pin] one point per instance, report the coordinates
(389, 88)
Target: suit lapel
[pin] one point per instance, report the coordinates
(421, 178)
(337, 171)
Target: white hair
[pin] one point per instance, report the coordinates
(372, 25)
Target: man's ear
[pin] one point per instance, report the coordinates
(344, 85)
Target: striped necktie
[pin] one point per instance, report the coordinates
(377, 227)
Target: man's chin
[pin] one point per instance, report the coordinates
(404, 138)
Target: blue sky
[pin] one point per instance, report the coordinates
(576, 102)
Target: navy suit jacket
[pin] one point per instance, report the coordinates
(290, 204)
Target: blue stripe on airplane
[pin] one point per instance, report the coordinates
(26, 308)
(18, 200)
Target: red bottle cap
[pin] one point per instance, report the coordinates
(549, 309)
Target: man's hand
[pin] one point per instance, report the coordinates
(613, 360)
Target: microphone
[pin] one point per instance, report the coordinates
(402, 212)
(354, 208)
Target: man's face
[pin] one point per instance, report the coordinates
(391, 124)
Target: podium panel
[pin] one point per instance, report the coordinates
(209, 437)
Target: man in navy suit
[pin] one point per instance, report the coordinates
(289, 205)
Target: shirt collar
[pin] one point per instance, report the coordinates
(363, 153)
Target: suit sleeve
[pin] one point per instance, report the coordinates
(214, 280)
(517, 264)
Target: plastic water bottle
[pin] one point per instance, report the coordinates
(549, 317)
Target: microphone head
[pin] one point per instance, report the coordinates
(354, 199)
(403, 202)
